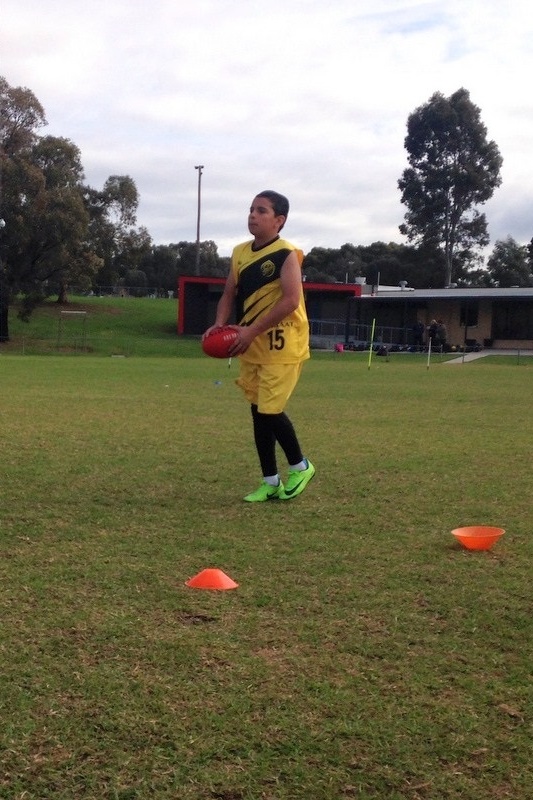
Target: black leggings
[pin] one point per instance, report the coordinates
(272, 428)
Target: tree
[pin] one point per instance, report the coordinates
(44, 241)
(46, 223)
(69, 259)
(452, 169)
(21, 115)
(209, 263)
(317, 265)
(380, 262)
(44, 244)
(113, 212)
(530, 254)
(160, 268)
(135, 246)
(509, 265)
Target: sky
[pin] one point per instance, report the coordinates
(305, 97)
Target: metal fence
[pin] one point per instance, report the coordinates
(326, 334)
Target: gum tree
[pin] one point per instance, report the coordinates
(44, 239)
(21, 116)
(453, 169)
(113, 213)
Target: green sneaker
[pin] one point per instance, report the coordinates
(265, 492)
(297, 481)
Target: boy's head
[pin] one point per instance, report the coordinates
(280, 204)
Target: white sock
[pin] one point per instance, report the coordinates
(300, 467)
(272, 480)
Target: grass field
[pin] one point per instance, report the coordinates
(364, 654)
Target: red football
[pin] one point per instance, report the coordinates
(219, 341)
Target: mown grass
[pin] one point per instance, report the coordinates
(364, 653)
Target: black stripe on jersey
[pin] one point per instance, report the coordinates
(252, 312)
(257, 276)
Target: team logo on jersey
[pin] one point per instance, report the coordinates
(267, 268)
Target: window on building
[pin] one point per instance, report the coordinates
(513, 320)
(469, 313)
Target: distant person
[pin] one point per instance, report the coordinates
(265, 286)
(442, 335)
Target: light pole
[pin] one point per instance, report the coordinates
(197, 265)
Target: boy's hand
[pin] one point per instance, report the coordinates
(206, 333)
(243, 341)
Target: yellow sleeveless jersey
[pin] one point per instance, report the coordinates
(257, 277)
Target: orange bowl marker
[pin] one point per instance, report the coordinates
(478, 537)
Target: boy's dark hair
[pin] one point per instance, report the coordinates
(280, 204)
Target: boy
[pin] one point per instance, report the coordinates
(265, 286)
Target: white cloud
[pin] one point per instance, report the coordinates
(307, 97)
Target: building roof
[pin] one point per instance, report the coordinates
(407, 293)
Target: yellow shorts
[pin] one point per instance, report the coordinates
(268, 386)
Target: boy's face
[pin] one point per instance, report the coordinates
(263, 223)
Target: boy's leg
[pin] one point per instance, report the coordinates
(265, 442)
(283, 432)
(268, 389)
(276, 385)
(300, 469)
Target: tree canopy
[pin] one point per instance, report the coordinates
(509, 264)
(453, 168)
(46, 220)
(21, 115)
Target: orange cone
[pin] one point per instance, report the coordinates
(211, 579)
